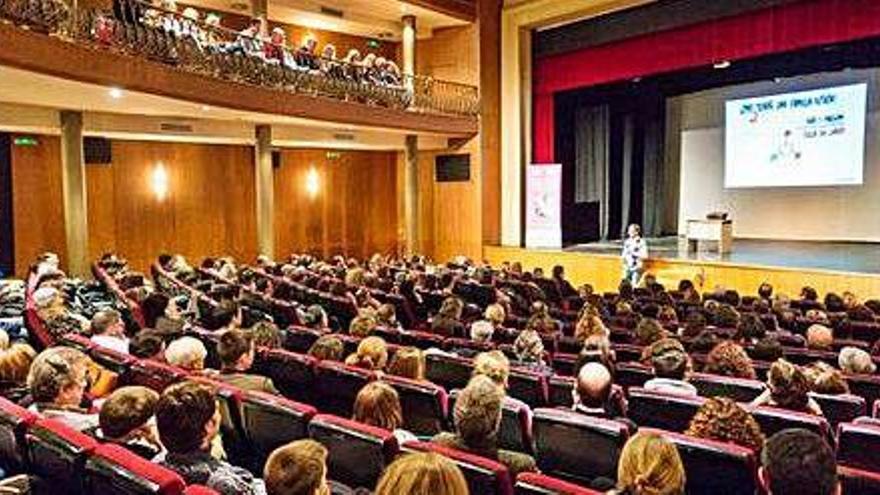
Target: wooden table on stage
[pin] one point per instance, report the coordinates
(718, 231)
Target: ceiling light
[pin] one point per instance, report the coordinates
(115, 93)
(722, 64)
(206, 108)
(159, 181)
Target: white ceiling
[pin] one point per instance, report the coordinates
(369, 18)
(141, 115)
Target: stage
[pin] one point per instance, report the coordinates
(788, 265)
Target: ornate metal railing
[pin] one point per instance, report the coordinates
(140, 29)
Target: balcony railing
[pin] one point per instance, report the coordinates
(143, 30)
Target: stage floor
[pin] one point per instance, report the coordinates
(855, 257)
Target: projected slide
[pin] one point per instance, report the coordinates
(807, 138)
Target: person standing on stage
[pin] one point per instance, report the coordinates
(635, 250)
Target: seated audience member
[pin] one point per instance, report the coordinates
(386, 316)
(147, 344)
(477, 417)
(541, 321)
(495, 315)
(809, 294)
(861, 313)
(819, 338)
(315, 317)
(729, 359)
(529, 350)
(52, 310)
(377, 404)
(671, 365)
(422, 473)
(767, 349)
(703, 343)
(327, 347)
(189, 419)
(448, 320)
(649, 331)
(816, 316)
(266, 334)
(798, 462)
(372, 354)
(722, 419)
(225, 316)
(236, 350)
(788, 388)
(161, 314)
(15, 363)
(727, 317)
(564, 287)
(186, 352)
(597, 350)
(482, 331)
(750, 329)
(826, 379)
(300, 468)
(765, 291)
(649, 465)
(588, 326)
(108, 330)
(408, 362)
(855, 361)
(362, 325)
(594, 393)
(58, 379)
(127, 419)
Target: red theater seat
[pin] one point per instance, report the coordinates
(528, 386)
(484, 476)
(114, 470)
(153, 374)
(114, 361)
(559, 390)
(715, 467)
(424, 404)
(858, 482)
(199, 490)
(663, 411)
(840, 408)
(77, 341)
(772, 420)
(422, 340)
(858, 445)
(577, 447)
(515, 432)
(14, 422)
(632, 374)
(337, 386)
(865, 386)
(271, 421)
(57, 456)
(539, 484)
(293, 374)
(358, 453)
(299, 339)
(738, 389)
(450, 372)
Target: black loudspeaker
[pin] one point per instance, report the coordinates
(276, 159)
(452, 168)
(97, 151)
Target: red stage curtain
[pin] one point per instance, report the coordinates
(774, 30)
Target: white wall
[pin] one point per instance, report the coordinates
(849, 213)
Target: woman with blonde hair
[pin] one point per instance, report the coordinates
(377, 404)
(788, 388)
(423, 473)
(408, 362)
(589, 325)
(495, 315)
(650, 465)
(372, 354)
(15, 363)
(493, 364)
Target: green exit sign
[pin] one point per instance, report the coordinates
(373, 44)
(25, 141)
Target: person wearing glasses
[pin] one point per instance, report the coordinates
(58, 380)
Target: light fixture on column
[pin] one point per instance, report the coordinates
(313, 182)
(159, 181)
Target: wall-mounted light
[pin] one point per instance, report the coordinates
(115, 93)
(159, 181)
(313, 182)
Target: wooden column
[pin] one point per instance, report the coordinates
(265, 191)
(260, 10)
(411, 194)
(408, 48)
(73, 183)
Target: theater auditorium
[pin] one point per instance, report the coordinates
(439, 247)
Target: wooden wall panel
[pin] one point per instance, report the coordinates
(354, 211)
(209, 209)
(37, 197)
(490, 116)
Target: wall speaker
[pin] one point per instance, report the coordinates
(97, 151)
(452, 168)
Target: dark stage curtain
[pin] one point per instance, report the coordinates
(619, 162)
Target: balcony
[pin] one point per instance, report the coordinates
(144, 48)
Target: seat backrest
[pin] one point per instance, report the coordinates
(292, 374)
(152, 374)
(337, 386)
(738, 389)
(858, 445)
(14, 422)
(865, 386)
(715, 467)
(663, 411)
(840, 408)
(358, 453)
(559, 390)
(449, 372)
(772, 420)
(270, 421)
(199, 490)
(113, 470)
(632, 374)
(422, 340)
(539, 484)
(424, 405)
(114, 361)
(528, 386)
(857, 481)
(564, 363)
(300, 339)
(484, 476)
(57, 455)
(577, 447)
